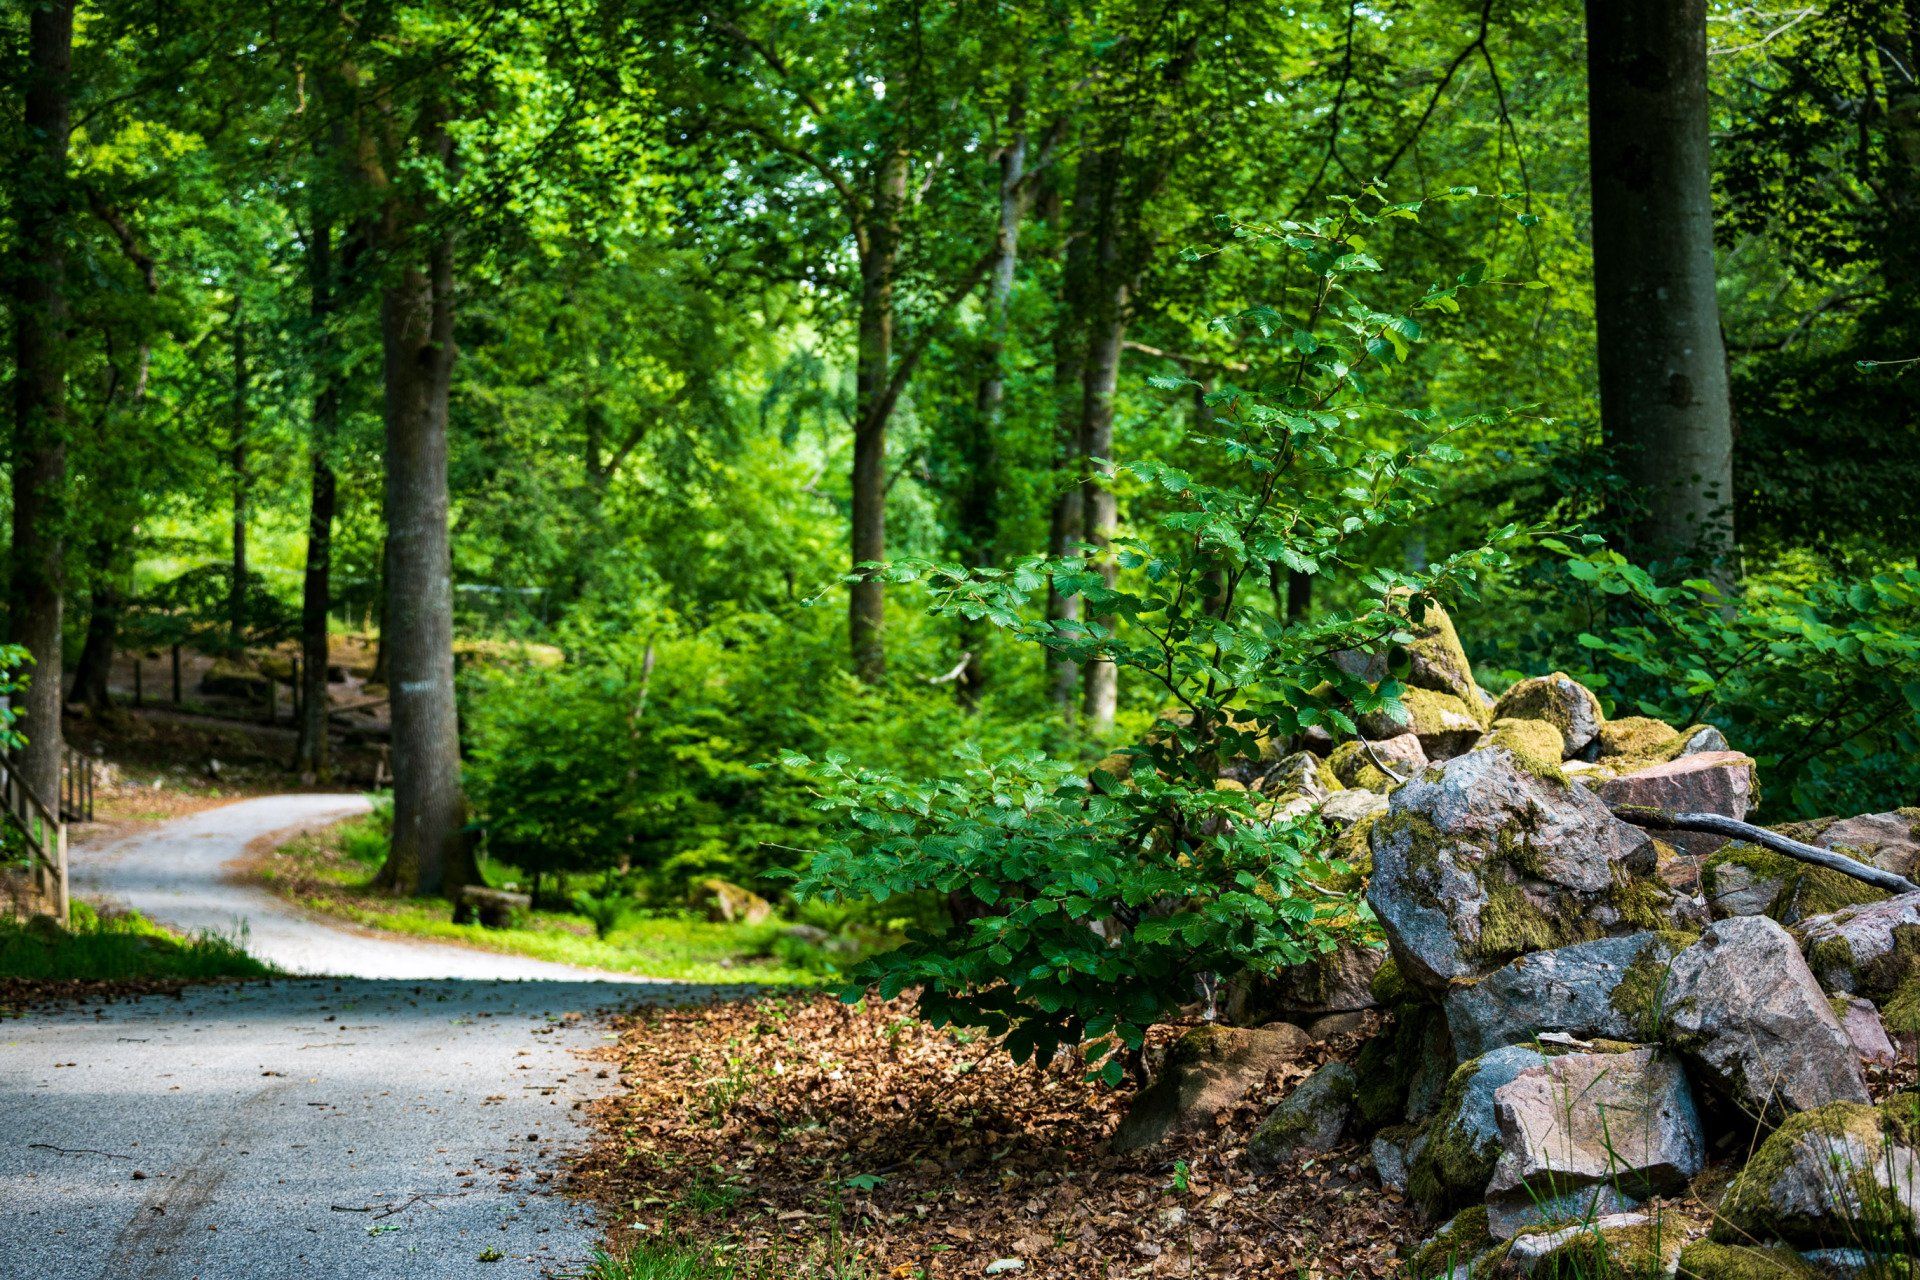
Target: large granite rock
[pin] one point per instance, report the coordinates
(1742, 879)
(1207, 1071)
(1486, 860)
(1624, 1121)
(1609, 988)
(1311, 1118)
(1340, 981)
(1462, 1146)
(1743, 1008)
(1890, 841)
(1871, 950)
(1436, 658)
(1705, 782)
(1845, 1175)
(1561, 701)
(1711, 1260)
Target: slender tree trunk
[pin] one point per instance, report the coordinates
(237, 590)
(311, 750)
(873, 405)
(1664, 405)
(1067, 522)
(1901, 180)
(1100, 694)
(979, 514)
(37, 571)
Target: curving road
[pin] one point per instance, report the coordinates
(400, 1120)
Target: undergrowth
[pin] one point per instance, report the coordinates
(118, 947)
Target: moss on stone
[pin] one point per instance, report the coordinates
(1710, 1260)
(1751, 1211)
(1540, 698)
(1355, 848)
(1452, 1169)
(1901, 1013)
(1641, 992)
(1431, 712)
(1464, 1237)
(1642, 1250)
(1535, 746)
(1353, 770)
(1640, 901)
(1639, 736)
(1511, 925)
(1805, 890)
(1387, 987)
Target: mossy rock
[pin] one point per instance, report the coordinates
(1558, 699)
(1629, 1250)
(1640, 737)
(1711, 1260)
(1801, 891)
(1822, 1180)
(1901, 1013)
(1438, 661)
(1535, 745)
(1352, 768)
(230, 679)
(1463, 1142)
(1463, 1238)
(1387, 1064)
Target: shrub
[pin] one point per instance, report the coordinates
(1107, 904)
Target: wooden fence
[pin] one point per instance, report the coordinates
(45, 834)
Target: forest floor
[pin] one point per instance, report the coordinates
(793, 1134)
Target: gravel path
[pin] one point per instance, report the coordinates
(399, 1122)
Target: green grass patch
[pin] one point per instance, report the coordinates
(330, 872)
(118, 948)
(662, 1260)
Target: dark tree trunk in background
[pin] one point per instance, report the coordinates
(1067, 522)
(1901, 182)
(94, 668)
(36, 572)
(873, 408)
(1664, 408)
(1100, 692)
(237, 589)
(979, 506)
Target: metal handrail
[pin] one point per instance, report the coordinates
(45, 833)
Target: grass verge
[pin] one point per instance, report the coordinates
(119, 954)
(330, 872)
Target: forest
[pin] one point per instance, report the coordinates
(970, 495)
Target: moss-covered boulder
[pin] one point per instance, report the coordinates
(1744, 1009)
(1445, 723)
(1871, 950)
(1311, 1118)
(1484, 860)
(1711, 1260)
(1463, 1140)
(1890, 840)
(1845, 1175)
(226, 678)
(1207, 1070)
(1631, 1246)
(1534, 743)
(1462, 1242)
(1437, 660)
(1397, 1068)
(1561, 701)
(1638, 737)
(1742, 879)
(1358, 764)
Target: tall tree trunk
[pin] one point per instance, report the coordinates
(237, 589)
(1664, 406)
(311, 750)
(979, 513)
(37, 571)
(1067, 521)
(873, 407)
(1100, 693)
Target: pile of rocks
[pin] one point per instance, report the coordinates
(1584, 1021)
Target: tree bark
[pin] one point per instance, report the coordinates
(1100, 694)
(41, 204)
(312, 753)
(1664, 407)
(1067, 521)
(873, 408)
(237, 445)
(429, 853)
(94, 668)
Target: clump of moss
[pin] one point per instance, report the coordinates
(1431, 712)
(1535, 746)
(1710, 1260)
(1465, 1237)
(1352, 768)
(1387, 987)
(1639, 736)
(1642, 990)
(1642, 1249)
(1901, 1013)
(1850, 1139)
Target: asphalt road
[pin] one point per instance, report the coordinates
(403, 1121)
